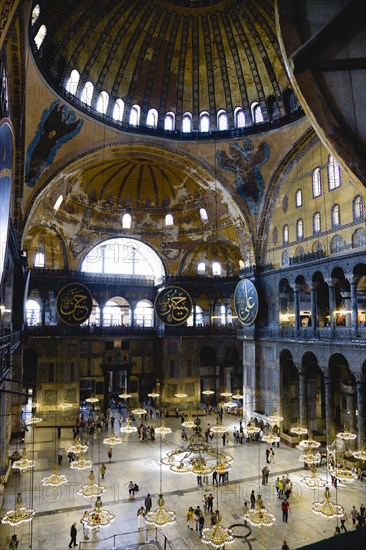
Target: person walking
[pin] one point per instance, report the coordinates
(73, 534)
(14, 543)
(210, 500)
(110, 450)
(148, 502)
(343, 518)
(285, 505)
(252, 500)
(199, 480)
(245, 511)
(214, 477)
(59, 456)
(285, 546)
(190, 517)
(59, 432)
(267, 455)
(265, 474)
(201, 523)
(204, 502)
(102, 470)
(353, 513)
(362, 516)
(140, 518)
(85, 528)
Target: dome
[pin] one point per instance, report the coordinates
(184, 59)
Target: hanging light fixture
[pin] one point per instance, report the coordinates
(218, 429)
(326, 508)
(275, 418)
(189, 423)
(230, 404)
(238, 395)
(19, 515)
(139, 410)
(313, 481)
(180, 395)
(153, 394)
(361, 453)
(298, 429)
(112, 440)
(81, 463)
(128, 429)
(260, 516)
(252, 429)
(343, 474)
(271, 437)
(92, 489)
(65, 405)
(217, 536)
(346, 435)
(226, 393)
(55, 479)
(124, 395)
(98, 518)
(33, 420)
(92, 399)
(308, 443)
(24, 463)
(309, 458)
(163, 430)
(208, 392)
(77, 447)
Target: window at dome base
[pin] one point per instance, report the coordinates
(126, 258)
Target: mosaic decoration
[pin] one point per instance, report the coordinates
(246, 163)
(246, 302)
(57, 126)
(173, 305)
(285, 204)
(74, 304)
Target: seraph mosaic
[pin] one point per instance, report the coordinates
(246, 163)
(58, 125)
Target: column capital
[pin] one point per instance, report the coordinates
(313, 285)
(359, 377)
(351, 278)
(330, 281)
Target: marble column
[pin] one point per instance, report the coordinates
(227, 371)
(43, 312)
(331, 291)
(303, 398)
(347, 307)
(211, 310)
(361, 407)
(296, 289)
(313, 304)
(329, 409)
(101, 314)
(354, 309)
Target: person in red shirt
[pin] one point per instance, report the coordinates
(285, 505)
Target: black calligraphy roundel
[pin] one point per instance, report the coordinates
(246, 302)
(173, 305)
(74, 304)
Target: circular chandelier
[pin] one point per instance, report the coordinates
(271, 437)
(97, 518)
(153, 394)
(298, 429)
(259, 516)
(218, 429)
(226, 393)
(163, 430)
(91, 490)
(313, 481)
(189, 423)
(55, 479)
(35, 404)
(180, 395)
(310, 458)
(361, 453)
(343, 474)
(252, 429)
(275, 418)
(19, 515)
(326, 508)
(65, 406)
(124, 395)
(128, 429)
(160, 517)
(77, 447)
(208, 392)
(230, 404)
(33, 420)
(81, 463)
(24, 463)
(308, 443)
(346, 435)
(217, 535)
(112, 440)
(238, 395)
(92, 399)
(139, 411)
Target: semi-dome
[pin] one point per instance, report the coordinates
(178, 66)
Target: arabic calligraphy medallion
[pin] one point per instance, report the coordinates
(246, 302)
(173, 305)
(74, 304)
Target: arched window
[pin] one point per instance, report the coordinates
(285, 258)
(116, 312)
(35, 13)
(222, 123)
(359, 238)
(144, 314)
(239, 118)
(298, 198)
(32, 313)
(257, 114)
(126, 221)
(317, 247)
(300, 251)
(203, 215)
(135, 115)
(336, 215)
(152, 118)
(58, 202)
(316, 222)
(73, 81)
(336, 244)
(216, 269)
(102, 103)
(317, 183)
(199, 317)
(358, 211)
(169, 221)
(124, 256)
(40, 36)
(285, 234)
(334, 173)
(204, 122)
(201, 268)
(39, 260)
(87, 93)
(299, 229)
(169, 122)
(118, 109)
(187, 123)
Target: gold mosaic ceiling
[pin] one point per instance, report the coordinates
(175, 56)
